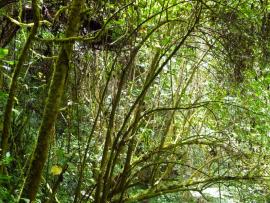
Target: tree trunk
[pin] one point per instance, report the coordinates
(52, 105)
(13, 86)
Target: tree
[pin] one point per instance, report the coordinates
(13, 86)
(52, 105)
(159, 101)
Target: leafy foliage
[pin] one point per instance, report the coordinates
(164, 101)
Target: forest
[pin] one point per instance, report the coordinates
(126, 101)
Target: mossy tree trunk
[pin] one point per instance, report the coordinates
(52, 105)
(13, 86)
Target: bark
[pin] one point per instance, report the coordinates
(8, 32)
(52, 105)
(13, 86)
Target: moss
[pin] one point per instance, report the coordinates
(52, 106)
(13, 86)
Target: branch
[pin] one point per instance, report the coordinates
(189, 186)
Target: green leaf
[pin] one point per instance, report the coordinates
(15, 111)
(4, 178)
(9, 62)
(3, 52)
